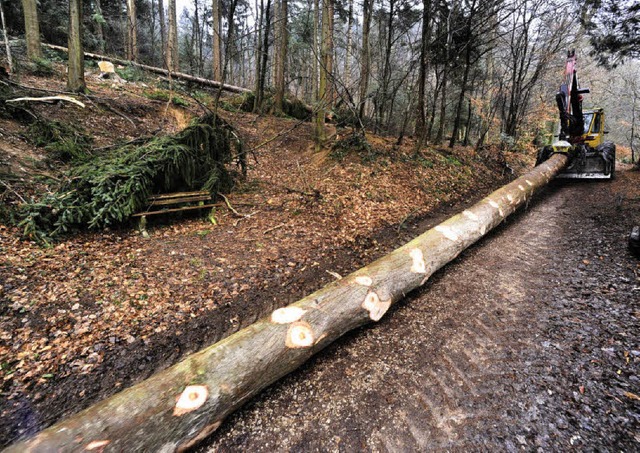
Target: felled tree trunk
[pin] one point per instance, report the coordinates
(175, 75)
(176, 408)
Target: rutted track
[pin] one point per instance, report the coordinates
(485, 356)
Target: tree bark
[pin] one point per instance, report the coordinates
(264, 58)
(176, 75)
(347, 52)
(445, 77)
(132, 31)
(75, 76)
(32, 29)
(8, 47)
(315, 52)
(386, 69)
(178, 407)
(198, 41)
(173, 62)
(365, 66)
(99, 27)
(281, 65)
(258, 46)
(323, 101)
(421, 112)
(163, 34)
(217, 40)
(331, 86)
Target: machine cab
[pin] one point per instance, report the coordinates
(593, 127)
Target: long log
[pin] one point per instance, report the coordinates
(178, 407)
(175, 75)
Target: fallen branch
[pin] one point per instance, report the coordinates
(12, 190)
(273, 228)
(175, 75)
(231, 208)
(178, 407)
(47, 99)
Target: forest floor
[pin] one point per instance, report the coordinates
(98, 311)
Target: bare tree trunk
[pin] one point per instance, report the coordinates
(75, 76)
(281, 51)
(197, 38)
(331, 86)
(180, 406)
(461, 96)
(633, 125)
(386, 69)
(6, 38)
(163, 34)
(365, 65)
(347, 56)
(421, 113)
(173, 62)
(434, 106)
(323, 90)
(315, 52)
(132, 31)
(445, 76)
(258, 46)
(32, 29)
(468, 128)
(228, 47)
(217, 40)
(99, 27)
(265, 56)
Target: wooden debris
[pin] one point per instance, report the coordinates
(47, 99)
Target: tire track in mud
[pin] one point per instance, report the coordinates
(436, 374)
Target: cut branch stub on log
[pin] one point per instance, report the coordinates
(178, 407)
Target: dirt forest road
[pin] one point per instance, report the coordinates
(529, 341)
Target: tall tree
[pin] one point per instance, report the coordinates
(258, 50)
(323, 92)
(217, 40)
(614, 29)
(132, 31)
(163, 33)
(198, 40)
(264, 57)
(421, 113)
(315, 51)
(6, 38)
(281, 52)
(347, 53)
(365, 65)
(533, 45)
(446, 17)
(32, 29)
(99, 21)
(75, 76)
(173, 62)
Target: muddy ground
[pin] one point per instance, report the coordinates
(528, 341)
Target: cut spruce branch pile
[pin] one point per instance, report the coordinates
(106, 189)
(178, 407)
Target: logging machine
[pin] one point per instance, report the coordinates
(581, 134)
